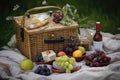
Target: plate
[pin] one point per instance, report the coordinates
(58, 69)
(63, 71)
(78, 59)
(92, 64)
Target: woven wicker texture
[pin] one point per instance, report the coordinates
(49, 36)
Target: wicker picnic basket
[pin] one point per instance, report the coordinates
(50, 36)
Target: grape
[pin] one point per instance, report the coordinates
(57, 59)
(103, 56)
(77, 44)
(93, 56)
(64, 67)
(46, 69)
(100, 52)
(73, 44)
(95, 60)
(70, 66)
(68, 51)
(43, 70)
(60, 59)
(72, 61)
(58, 63)
(57, 17)
(37, 71)
(90, 58)
(91, 65)
(65, 58)
(68, 70)
(99, 58)
(86, 57)
(45, 66)
(69, 45)
(101, 61)
(62, 64)
(105, 59)
(66, 63)
(39, 58)
(56, 20)
(47, 73)
(96, 64)
(75, 48)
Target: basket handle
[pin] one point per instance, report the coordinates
(36, 9)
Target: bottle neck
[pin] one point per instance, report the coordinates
(97, 27)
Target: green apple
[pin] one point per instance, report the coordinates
(26, 64)
(82, 49)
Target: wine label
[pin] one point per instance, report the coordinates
(98, 45)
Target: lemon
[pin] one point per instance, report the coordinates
(77, 53)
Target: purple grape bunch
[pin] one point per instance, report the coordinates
(57, 17)
(97, 59)
(43, 70)
(71, 47)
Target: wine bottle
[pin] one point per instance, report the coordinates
(97, 38)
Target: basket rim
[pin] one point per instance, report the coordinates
(36, 31)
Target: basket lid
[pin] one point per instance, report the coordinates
(34, 19)
(44, 20)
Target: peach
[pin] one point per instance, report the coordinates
(61, 53)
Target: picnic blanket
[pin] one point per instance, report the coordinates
(10, 58)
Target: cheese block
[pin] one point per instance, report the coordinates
(48, 55)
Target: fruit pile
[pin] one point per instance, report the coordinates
(43, 70)
(71, 47)
(78, 55)
(57, 17)
(64, 62)
(74, 49)
(46, 57)
(97, 59)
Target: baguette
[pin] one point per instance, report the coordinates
(38, 25)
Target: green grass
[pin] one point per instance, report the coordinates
(94, 10)
(3, 79)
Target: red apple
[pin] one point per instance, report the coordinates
(61, 53)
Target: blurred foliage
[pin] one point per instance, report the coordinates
(89, 11)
